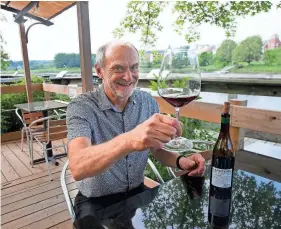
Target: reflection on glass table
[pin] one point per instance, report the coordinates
(183, 203)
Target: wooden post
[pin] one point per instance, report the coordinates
(237, 134)
(85, 46)
(25, 63)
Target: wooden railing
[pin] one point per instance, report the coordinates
(261, 120)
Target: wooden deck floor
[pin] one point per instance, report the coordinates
(28, 198)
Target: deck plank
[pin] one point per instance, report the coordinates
(49, 221)
(16, 163)
(34, 199)
(51, 214)
(7, 170)
(36, 155)
(24, 158)
(64, 225)
(32, 191)
(32, 208)
(3, 179)
(30, 181)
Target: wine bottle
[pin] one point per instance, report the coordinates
(221, 175)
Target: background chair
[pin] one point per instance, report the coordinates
(26, 118)
(56, 130)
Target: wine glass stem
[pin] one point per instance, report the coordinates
(177, 113)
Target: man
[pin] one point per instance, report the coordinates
(112, 129)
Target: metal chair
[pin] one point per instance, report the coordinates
(55, 130)
(26, 118)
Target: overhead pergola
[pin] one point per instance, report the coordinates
(43, 12)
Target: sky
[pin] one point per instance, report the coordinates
(105, 16)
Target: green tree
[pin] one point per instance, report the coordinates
(248, 50)
(225, 51)
(206, 58)
(142, 16)
(272, 56)
(4, 55)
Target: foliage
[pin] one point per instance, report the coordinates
(3, 55)
(248, 50)
(224, 53)
(262, 68)
(142, 16)
(272, 56)
(33, 64)
(206, 58)
(9, 121)
(63, 60)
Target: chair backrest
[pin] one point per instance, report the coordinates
(57, 129)
(66, 193)
(30, 117)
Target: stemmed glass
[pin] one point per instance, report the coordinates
(179, 83)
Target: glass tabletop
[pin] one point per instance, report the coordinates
(41, 106)
(183, 203)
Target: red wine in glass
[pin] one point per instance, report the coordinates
(179, 101)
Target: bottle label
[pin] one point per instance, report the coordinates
(225, 120)
(219, 207)
(221, 178)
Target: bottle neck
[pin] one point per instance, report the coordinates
(225, 119)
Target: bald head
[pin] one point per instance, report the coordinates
(109, 48)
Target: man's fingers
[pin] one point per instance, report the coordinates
(172, 122)
(200, 162)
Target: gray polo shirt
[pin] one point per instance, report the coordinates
(92, 115)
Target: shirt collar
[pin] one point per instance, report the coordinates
(105, 104)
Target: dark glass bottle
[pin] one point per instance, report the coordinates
(221, 175)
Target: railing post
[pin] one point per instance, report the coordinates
(237, 134)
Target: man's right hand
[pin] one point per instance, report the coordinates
(154, 132)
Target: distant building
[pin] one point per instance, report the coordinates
(273, 43)
(199, 48)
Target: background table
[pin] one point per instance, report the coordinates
(44, 106)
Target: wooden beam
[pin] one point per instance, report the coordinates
(237, 134)
(11, 136)
(256, 119)
(198, 110)
(85, 46)
(20, 88)
(62, 89)
(43, 21)
(25, 63)
(21, 13)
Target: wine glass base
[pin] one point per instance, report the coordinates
(178, 145)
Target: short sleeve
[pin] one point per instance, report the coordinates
(77, 121)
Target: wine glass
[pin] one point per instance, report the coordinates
(179, 83)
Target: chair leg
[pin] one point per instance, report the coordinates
(22, 137)
(47, 161)
(64, 146)
(30, 144)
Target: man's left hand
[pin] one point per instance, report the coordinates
(195, 164)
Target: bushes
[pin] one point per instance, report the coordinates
(9, 121)
(272, 57)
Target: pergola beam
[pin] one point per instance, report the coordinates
(43, 21)
(85, 46)
(25, 59)
(21, 13)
